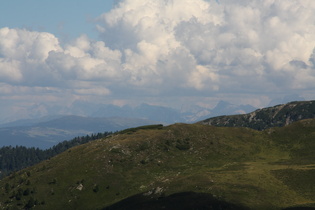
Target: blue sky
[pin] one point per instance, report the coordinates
(67, 19)
(175, 53)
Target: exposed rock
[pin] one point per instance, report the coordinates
(80, 187)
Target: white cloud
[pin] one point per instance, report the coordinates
(10, 70)
(146, 33)
(255, 40)
(173, 47)
(26, 45)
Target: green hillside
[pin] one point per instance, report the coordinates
(230, 168)
(276, 116)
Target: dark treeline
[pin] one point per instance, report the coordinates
(19, 157)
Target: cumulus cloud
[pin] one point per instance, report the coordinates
(36, 59)
(23, 55)
(21, 44)
(10, 70)
(172, 47)
(214, 45)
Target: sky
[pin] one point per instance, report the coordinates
(65, 19)
(160, 52)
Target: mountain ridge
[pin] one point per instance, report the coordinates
(260, 119)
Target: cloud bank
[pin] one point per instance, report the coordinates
(169, 48)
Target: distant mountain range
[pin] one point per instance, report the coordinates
(166, 115)
(276, 116)
(47, 131)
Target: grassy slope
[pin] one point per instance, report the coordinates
(260, 170)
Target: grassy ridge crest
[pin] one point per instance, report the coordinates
(261, 119)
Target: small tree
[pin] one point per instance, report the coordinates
(27, 191)
(96, 189)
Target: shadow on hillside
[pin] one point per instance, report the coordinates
(178, 201)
